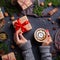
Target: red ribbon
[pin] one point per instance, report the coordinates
(24, 3)
(18, 25)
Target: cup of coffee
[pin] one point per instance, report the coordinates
(40, 35)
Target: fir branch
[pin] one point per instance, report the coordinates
(4, 47)
(8, 7)
(38, 9)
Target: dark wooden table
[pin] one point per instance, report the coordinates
(36, 23)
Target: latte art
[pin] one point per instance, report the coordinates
(40, 35)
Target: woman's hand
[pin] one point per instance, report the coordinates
(19, 38)
(48, 39)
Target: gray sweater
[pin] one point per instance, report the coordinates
(28, 54)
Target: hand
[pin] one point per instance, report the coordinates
(48, 39)
(19, 38)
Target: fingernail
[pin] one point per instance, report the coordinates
(48, 35)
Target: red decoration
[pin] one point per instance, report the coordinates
(18, 25)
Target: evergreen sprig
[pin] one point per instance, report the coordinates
(38, 9)
(55, 3)
(8, 7)
(4, 47)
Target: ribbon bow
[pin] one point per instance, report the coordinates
(18, 25)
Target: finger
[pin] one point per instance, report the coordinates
(50, 39)
(47, 42)
(17, 37)
(21, 36)
(48, 34)
(47, 31)
(18, 31)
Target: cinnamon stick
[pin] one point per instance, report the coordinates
(53, 11)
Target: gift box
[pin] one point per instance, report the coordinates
(22, 24)
(24, 3)
(9, 56)
(1, 14)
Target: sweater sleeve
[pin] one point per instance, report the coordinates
(45, 53)
(27, 51)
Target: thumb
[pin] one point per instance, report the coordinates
(16, 35)
(47, 31)
(21, 36)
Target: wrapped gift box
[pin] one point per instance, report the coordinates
(1, 14)
(9, 56)
(24, 3)
(22, 24)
